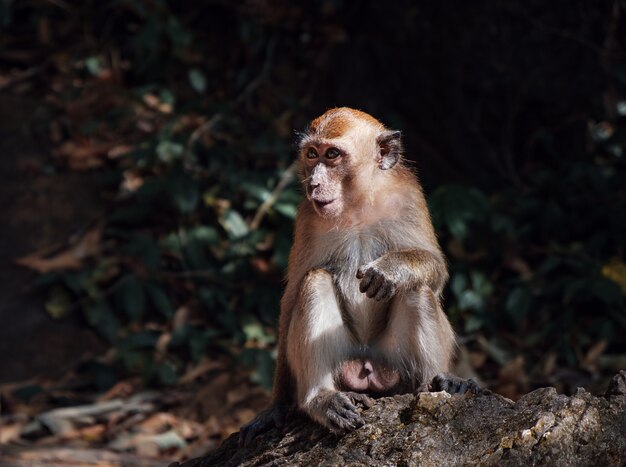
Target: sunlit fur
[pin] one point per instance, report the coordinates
(377, 224)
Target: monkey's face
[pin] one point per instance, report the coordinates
(325, 170)
(342, 156)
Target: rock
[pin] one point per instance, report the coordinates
(617, 387)
(542, 428)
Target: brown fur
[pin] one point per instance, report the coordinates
(336, 122)
(364, 279)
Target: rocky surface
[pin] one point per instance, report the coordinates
(542, 428)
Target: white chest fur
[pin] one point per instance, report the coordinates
(343, 253)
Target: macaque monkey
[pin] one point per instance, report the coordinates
(361, 312)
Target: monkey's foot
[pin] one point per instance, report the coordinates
(273, 416)
(338, 410)
(451, 384)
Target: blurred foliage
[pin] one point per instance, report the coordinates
(188, 109)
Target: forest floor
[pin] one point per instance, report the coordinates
(42, 207)
(49, 413)
(38, 209)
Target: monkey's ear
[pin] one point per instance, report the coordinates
(389, 149)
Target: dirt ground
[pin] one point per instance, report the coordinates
(38, 208)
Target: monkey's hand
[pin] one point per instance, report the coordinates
(407, 269)
(377, 279)
(338, 411)
(273, 416)
(451, 384)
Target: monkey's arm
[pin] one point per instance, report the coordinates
(402, 270)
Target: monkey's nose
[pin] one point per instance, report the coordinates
(313, 186)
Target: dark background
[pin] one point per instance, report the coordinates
(140, 140)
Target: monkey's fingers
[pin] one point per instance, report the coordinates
(248, 432)
(342, 414)
(358, 397)
(375, 285)
(340, 424)
(273, 416)
(453, 384)
(386, 291)
(366, 279)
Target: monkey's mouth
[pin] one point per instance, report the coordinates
(322, 204)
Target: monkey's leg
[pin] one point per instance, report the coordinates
(418, 339)
(419, 330)
(273, 416)
(317, 343)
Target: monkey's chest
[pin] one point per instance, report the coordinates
(365, 317)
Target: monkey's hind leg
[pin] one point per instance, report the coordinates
(273, 416)
(317, 343)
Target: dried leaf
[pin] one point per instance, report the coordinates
(615, 270)
(203, 367)
(589, 362)
(93, 434)
(122, 389)
(157, 423)
(71, 258)
(11, 432)
(83, 154)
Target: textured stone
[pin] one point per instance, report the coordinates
(542, 428)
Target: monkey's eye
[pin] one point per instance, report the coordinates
(332, 153)
(311, 153)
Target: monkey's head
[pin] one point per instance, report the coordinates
(344, 155)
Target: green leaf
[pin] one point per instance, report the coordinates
(94, 65)
(59, 303)
(179, 36)
(198, 343)
(286, 209)
(140, 340)
(259, 192)
(264, 369)
(184, 192)
(197, 80)
(254, 331)
(607, 291)
(167, 96)
(473, 323)
(160, 300)
(102, 318)
(282, 246)
(233, 224)
(456, 207)
(208, 235)
(518, 303)
(133, 298)
(136, 361)
(196, 254)
(458, 284)
(169, 151)
(481, 284)
(145, 249)
(470, 300)
(180, 336)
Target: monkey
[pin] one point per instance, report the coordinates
(361, 313)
